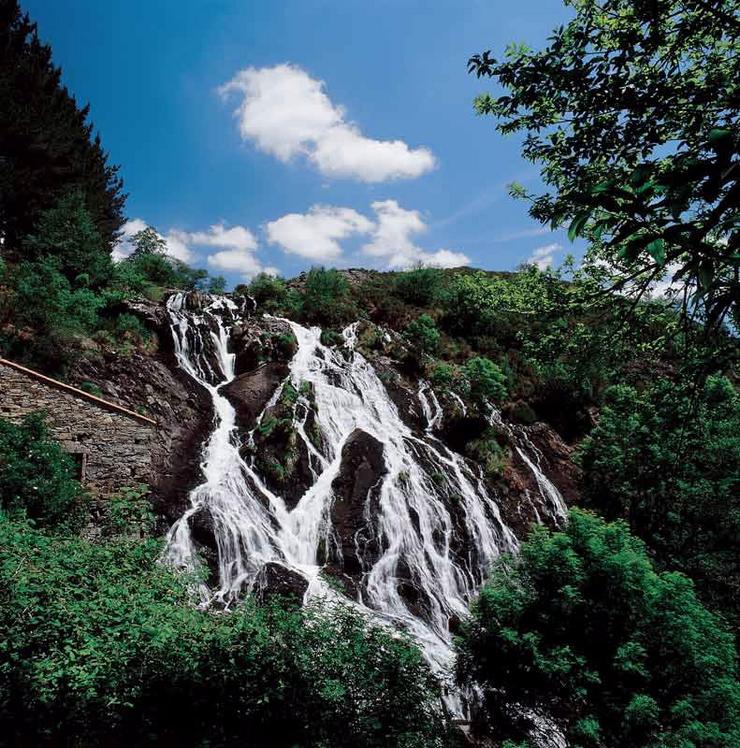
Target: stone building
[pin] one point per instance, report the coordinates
(110, 444)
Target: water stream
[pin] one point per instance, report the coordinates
(433, 521)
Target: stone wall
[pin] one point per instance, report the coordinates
(111, 445)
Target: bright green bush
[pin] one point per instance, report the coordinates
(327, 299)
(129, 512)
(101, 645)
(422, 334)
(667, 459)
(582, 630)
(486, 380)
(37, 478)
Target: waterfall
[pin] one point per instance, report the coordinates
(432, 521)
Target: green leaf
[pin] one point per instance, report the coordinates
(577, 224)
(656, 249)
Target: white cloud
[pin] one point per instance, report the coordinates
(392, 239)
(544, 256)
(236, 246)
(234, 238)
(177, 243)
(316, 234)
(286, 113)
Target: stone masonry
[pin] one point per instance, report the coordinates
(111, 445)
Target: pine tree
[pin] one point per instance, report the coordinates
(47, 145)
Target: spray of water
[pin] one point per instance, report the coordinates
(433, 520)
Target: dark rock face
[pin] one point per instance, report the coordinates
(274, 579)
(362, 467)
(250, 392)
(152, 384)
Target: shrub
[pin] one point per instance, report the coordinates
(423, 334)
(327, 299)
(443, 375)
(37, 477)
(421, 286)
(101, 645)
(486, 380)
(581, 630)
(129, 512)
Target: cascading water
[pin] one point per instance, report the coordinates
(433, 519)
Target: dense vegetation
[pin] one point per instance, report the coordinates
(100, 644)
(617, 630)
(61, 211)
(581, 630)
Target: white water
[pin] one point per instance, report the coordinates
(433, 517)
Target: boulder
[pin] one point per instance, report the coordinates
(249, 393)
(362, 467)
(275, 579)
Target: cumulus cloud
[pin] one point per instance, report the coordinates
(177, 243)
(316, 234)
(287, 113)
(236, 246)
(392, 239)
(544, 256)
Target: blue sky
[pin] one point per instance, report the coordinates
(285, 134)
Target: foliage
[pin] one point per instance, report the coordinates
(37, 478)
(272, 295)
(421, 286)
(581, 630)
(129, 512)
(148, 242)
(326, 298)
(667, 459)
(101, 645)
(632, 112)
(486, 380)
(67, 233)
(422, 334)
(47, 146)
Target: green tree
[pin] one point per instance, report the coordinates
(67, 233)
(667, 459)
(148, 242)
(486, 380)
(632, 112)
(216, 285)
(422, 334)
(582, 631)
(326, 298)
(47, 146)
(37, 478)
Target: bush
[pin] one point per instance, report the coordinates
(421, 286)
(581, 630)
(486, 380)
(667, 459)
(423, 334)
(100, 645)
(129, 512)
(327, 299)
(37, 477)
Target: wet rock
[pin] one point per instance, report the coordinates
(274, 579)
(203, 535)
(249, 393)
(360, 473)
